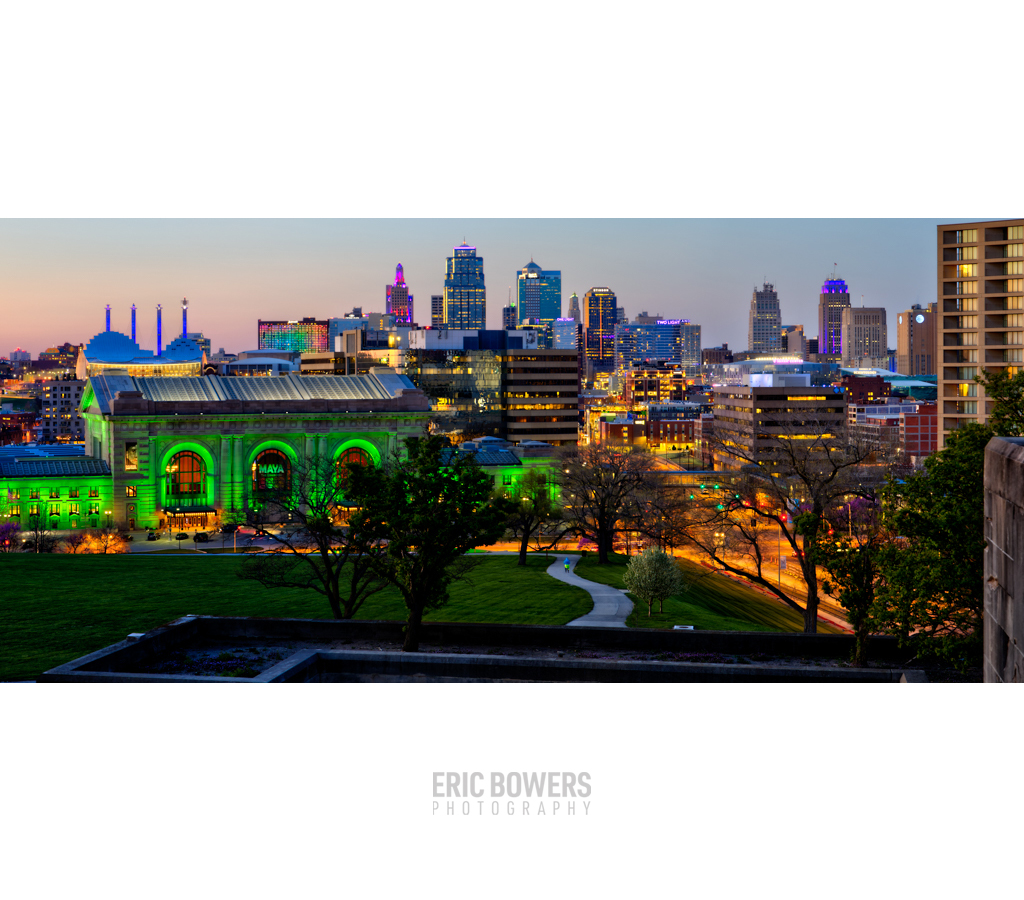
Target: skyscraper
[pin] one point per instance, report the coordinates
(834, 298)
(599, 326)
(465, 304)
(981, 305)
(398, 299)
(574, 309)
(763, 333)
(539, 294)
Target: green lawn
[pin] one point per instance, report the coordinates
(712, 602)
(55, 608)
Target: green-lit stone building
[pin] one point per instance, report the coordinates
(183, 451)
(58, 493)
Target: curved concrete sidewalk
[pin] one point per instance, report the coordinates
(611, 606)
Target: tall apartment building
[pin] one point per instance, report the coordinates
(538, 294)
(784, 405)
(307, 335)
(60, 421)
(465, 297)
(763, 333)
(436, 310)
(981, 302)
(864, 336)
(599, 318)
(833, 299)
(917, 346)
(397, 299)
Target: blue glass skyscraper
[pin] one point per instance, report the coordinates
(539, 294)
(465, 298)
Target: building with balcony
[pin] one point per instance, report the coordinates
(981, 309)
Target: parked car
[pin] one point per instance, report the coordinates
(201, 537)
(261, 532)
(228, 529)
(151, 536)
(181, 536)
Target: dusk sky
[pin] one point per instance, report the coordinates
(56, 276)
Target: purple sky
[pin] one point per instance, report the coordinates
(56, 276)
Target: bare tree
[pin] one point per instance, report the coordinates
(315, 546)
(75, 542)
(599, 490)
(786, 484)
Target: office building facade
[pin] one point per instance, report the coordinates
(833, 299)
(765, 322)
(864, 336)
(980, 300)
(465, 297)
(917, 343)
(309, 335)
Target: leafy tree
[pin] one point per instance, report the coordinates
(653, 575)
(425, 512)
(532, 512)
(852, 567)
(316, 547)
(932, 574)
(1007, 391)
(599, 490)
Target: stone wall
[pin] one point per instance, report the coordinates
(1004, 560)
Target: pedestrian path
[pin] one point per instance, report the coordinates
(611, 605)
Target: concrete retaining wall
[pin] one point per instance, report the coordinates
(1004, 560)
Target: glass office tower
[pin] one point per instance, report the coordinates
(539, 294)
(465, 305)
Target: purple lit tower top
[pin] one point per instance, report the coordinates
(399, 300)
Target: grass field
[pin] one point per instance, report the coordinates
(55, 608)
(712, 602)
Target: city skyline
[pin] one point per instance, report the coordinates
(235, 272)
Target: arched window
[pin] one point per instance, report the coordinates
(353, 455)
(271, 472)
(186, 475)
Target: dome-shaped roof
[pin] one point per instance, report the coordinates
(182, 349)
(112, 346)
